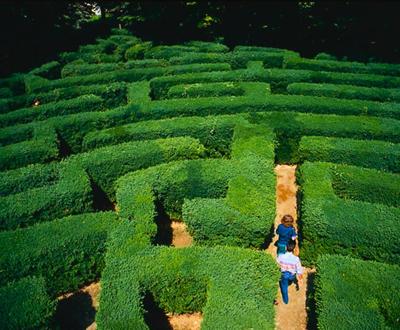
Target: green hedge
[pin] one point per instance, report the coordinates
(25, 304)
(41, 149)
(166, 52)
(137, 51)
(295, 124)
(67, 57)
(51, 70)
(345, 92)
(32, 176)
(357, 294)
(5, 92)
(263, 102)
(242, 48)
(247, 217)
(114, 94)
(15, 82)
(325, 56)
(67, 252)
(35, 84)
(248, 182)
(334, 219)
(366, 153)
(105, 165)
(341, 66)
(234, 288)
(206, 46)
(191, 58)
(72, 194)
(202, 90)
(214, 133)
(161, 85)
(41, 112)
(71, 128)
(75, 69)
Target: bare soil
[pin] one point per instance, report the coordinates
(185, 321)
(180, 236)
(292, 316)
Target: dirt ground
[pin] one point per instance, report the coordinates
(185, 321)
(180, 236)
(292, 316)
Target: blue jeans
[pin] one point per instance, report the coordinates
(287, 278)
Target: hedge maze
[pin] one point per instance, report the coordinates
(100, 147)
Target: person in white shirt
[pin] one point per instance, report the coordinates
(290, 267)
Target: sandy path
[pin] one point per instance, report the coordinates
(292, 316)
(180, 236)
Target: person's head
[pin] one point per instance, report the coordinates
(290, 246)
(287, 220)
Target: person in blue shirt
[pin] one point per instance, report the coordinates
(286, 232)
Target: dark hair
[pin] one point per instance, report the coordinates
(287, 220)
(291, 245)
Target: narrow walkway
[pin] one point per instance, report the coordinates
(180, 236)
(292, 316)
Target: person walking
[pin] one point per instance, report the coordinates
(286, 233)
(291, 270)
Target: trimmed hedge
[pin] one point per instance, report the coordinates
(202, 90)
(241, 48)
(137, 51)
(247, 218)
(71, 128)
(357, 294)
(41, 149)
(15, 82)
(214, 133)
(234, 288)
(206, 46)
(341, 66)
(334, 219)
(41, 112)
(161, 85)
(67, 252)
(25, 304)
(375, 154)
(50, 70)
(295, 124)
(112, 94)
(72, 194)
(249, 193)
(263, 102)
(345, 92)
(5, 92)
(75, 69)
(35, 84)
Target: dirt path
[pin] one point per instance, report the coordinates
(180, 236)
(292, 316)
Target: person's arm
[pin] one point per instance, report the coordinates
(294, 234)
(299, 272)
(277, 230)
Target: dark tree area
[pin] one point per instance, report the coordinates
(32, 32)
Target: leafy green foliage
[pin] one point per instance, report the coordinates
(67, 252)
(25, 304)
(357, 294)
(335, 218)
